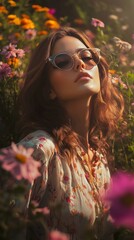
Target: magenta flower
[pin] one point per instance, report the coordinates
(56, 235)
(19, 162)
(120, 198)
(5, 70)
(52, 11)
(97, 23)
(10, 51)
(30, 34)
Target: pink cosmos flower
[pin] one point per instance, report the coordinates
(5, 70)
(56, 235)
(30, 34)
(97, 23)
(10, 51)
(20, 53)
(19, 162)
(120, 198)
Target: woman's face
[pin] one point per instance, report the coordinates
(64, 85)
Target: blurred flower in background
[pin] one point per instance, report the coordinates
(5, 70)
(19, 162)
(97, 23)
(120, 198)
(56, 235)
(10, 51)
(30, 34)
(122, 45)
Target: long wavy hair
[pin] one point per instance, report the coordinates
(38, 111)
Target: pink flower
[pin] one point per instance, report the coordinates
(10, 51)
(19, 162)
(97, 23)
(52, 11)
(20, 53)
(122, 45)
(56, 235)
(5, 70)
(120, 198)
(44, 211)
(30, 34)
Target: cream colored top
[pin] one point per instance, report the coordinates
(66, 186)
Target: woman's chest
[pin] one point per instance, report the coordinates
(70, 187)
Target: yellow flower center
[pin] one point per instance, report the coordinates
(21, 158)
(128, 200)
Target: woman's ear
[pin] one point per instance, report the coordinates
(52, 94)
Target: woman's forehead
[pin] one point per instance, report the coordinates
(68, 44)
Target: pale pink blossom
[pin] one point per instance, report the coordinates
(36, 209)
(122, 45)
(44, 211)
(19, 162)
(10, 51)
(116, 79)
(5, 70)
(30, 34)
(113, 17)
(97, 23)
(20, 53)
(124, 27)
(119, 10)
(56, 235)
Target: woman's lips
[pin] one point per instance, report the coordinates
(83, 76)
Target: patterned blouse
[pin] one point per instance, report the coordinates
(68, 187)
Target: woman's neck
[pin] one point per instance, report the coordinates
(79, 114)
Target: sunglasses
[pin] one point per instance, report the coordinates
(65, 61)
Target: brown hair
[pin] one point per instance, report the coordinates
(38, 111)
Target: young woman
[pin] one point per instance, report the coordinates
(68, 109)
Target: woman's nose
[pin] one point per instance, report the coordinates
(78, 64)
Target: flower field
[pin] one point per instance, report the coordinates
(23, 24)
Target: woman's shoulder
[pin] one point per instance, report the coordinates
(38, 136)
(41, 141)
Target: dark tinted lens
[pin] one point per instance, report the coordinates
(63, 61)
